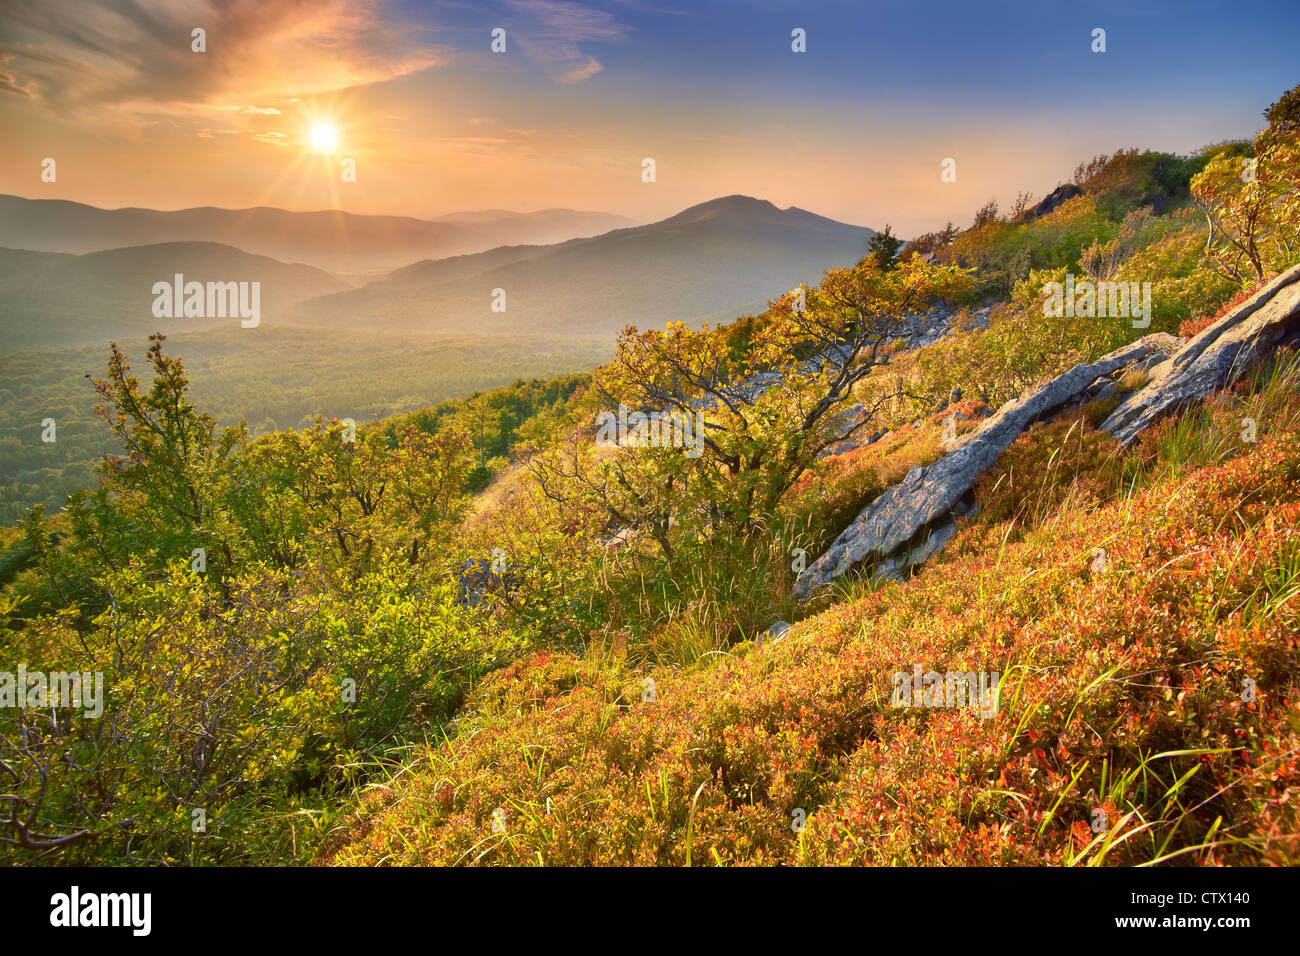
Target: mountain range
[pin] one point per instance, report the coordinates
(59, 299)
(333, 240)
(710, 262)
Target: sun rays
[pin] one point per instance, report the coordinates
(324, 137)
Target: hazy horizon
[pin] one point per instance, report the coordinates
(430, 218)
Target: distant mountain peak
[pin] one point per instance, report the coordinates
(740, 211)
(730, 207)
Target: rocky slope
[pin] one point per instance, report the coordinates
(1214, 358)
(913, 520)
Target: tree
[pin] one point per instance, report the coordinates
(884, 247)
(171, 448)
(766, 415)
(344, 498)
(1284, 115)
(1024, 203)
(1251, 204)
(986, 214)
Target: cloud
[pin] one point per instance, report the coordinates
(93, 55)
(572, 22)
(549, 31)
(580, 73)
(8, 80)
(273, 138)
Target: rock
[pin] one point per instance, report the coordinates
(773, 633)
(920, 329)
(932, 541)
(1215, 358)
(915, 513)
(852, 443)
(1058, 196)
(618, 539)
(852, 417)
(476, 581)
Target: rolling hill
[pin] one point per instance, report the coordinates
(721, 257)
(56, 299)
(329, 239)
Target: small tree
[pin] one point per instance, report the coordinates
(767, 415)
(1024, 203)
(328, 494)
(171, 448)
(1251, 203)
(986, 214)
(884, 247)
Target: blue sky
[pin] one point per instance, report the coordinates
(854, 128)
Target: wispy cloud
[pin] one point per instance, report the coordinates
(86, 56)
(550, 31)
(273, 138)
(207, 133)
(579, 73)
(572, 21)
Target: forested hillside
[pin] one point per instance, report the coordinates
(280, 379)
(52, 299)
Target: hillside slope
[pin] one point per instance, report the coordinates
(58, 299)
(1151, 691)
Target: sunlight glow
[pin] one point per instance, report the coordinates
(324, 137)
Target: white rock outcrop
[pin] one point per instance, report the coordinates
(910, 522)
(1215, 358)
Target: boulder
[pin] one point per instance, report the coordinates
(852, 443)
(773, 633)
(617, 539)
(1057, 197)
(1215, 358)
(910, 522)
(916, 513)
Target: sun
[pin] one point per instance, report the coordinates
(324, 137)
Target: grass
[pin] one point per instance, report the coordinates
(1125, 691)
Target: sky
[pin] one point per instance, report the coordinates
(856, 127)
